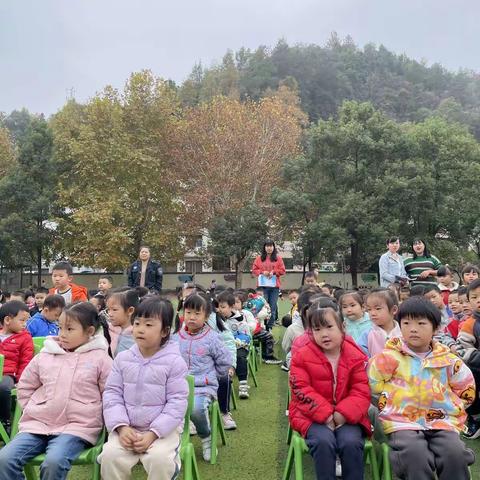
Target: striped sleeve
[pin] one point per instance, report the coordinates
(466, 341)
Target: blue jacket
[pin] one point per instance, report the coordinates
(390, 268)
(39, 326)
(206, 357)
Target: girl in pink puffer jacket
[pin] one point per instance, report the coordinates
(60, 392)
(145, 399)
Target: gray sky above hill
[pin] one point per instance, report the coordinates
(49, 47)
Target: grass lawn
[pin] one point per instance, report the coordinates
(257, 449)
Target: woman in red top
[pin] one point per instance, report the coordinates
(330, 393)
(269, 267)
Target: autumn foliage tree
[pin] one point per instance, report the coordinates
(118, 187)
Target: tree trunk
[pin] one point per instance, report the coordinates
(39, 254)
(354, 262)
(239, 266)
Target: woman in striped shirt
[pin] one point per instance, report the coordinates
(422, 267)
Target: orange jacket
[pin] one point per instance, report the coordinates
(79, 292)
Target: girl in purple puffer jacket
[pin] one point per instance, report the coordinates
(145, 399)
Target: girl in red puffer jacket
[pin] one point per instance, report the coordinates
(330, 393)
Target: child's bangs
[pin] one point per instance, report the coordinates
(195, 303)
(155, 307)
(321, 317)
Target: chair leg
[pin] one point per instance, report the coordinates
(214, 435)
(187, 464)
(386, 467)
(252, 373)
(372, 457)
(3, 434)
(30, 473)
(288, 463)
(95, 470)
(289, 434)
(233, 396)
(298, 458)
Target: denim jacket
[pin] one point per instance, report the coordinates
(389, 268)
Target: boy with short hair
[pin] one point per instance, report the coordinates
(45, 323)
(310, 279)
(455, 306)
(40, 296)
(241, 333)
(62, 279)
(468, 348)
(293, 297)
(423, 389)
(16, 345)
(463, 299)
(105, 283)
(18, 296)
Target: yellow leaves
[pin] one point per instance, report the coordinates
(7, 153)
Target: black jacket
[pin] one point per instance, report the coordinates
(153, 275)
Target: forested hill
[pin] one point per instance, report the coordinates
(404, 88)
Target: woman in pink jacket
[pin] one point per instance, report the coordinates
(60, 392)
(268, 267)
(145, 399)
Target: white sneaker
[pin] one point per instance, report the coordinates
(338, 468)
(228, 422)
(193, 428)
(243, 389)
(207, 448)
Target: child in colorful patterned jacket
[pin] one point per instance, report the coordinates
(424, 389)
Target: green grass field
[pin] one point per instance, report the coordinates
(257, 449)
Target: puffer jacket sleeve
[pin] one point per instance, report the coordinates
(104, 372)
(462, 382)
(173, 412)
(279, 268)
(114, 410)
(29, 381)
(229, 342)
(355, 405)
(26, 355)
(221, 356)
(380, 370)
(309, 402)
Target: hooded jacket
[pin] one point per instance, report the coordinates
(374, 340)
(147, 393)
(357, 328)
(61, 392)
(277, 267)
(417, 393)
(18, 351)
(39, 326)
(206, 357)
(312, 380)
(226, 336)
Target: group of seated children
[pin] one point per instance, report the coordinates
(423, 361)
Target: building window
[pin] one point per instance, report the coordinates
(193, 266)
(220, 264)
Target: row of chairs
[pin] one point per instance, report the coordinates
(187, 451)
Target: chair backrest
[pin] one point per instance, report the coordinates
(38, 344)
(2, 358)
(186, 423)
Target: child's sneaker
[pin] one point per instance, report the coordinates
(243, 389)
(285, 367)
(228, 421)
(207, 448)
(193, 428)
(272, 361)
(472, 429)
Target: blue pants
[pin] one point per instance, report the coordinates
(347, 442)
(200, 416)
(271, 296)
(60, 451)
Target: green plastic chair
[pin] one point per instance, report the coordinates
(217, 430)
(3, 433)
(298, 448)
(87, 457)
(385, 468)
(233, 397)
(251, 366)
(38, 344)
(187, 452)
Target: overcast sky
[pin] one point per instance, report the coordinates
(48, 47)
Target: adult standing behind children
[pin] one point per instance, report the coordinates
(391, 265)
(145, 272)
(62, 279)
(422, 267)
(268, 267)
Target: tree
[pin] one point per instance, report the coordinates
(28, 194)
(232, 152)
(7, 155)
(238, 233)
(119, 186)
